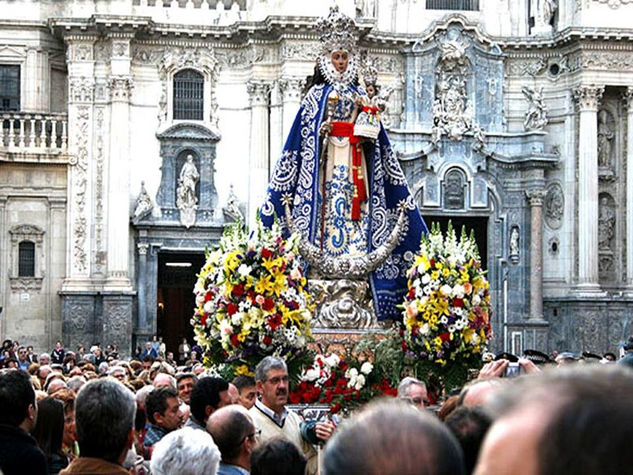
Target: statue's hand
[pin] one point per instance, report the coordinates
(325, 129)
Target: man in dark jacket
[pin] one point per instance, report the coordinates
(19, 452)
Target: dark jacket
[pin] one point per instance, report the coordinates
(19, 453)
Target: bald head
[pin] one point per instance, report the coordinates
(233, 431)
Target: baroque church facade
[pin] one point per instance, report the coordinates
(133, 131)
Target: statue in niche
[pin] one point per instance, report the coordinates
(536, 115)
(454, 190)
(514, 242)
(144, 203)
(606, 224)
(186, 199)
(543, 12)
(605, 139)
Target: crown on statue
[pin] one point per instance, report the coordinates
(337, 32)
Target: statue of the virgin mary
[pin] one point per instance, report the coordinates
(345, 188)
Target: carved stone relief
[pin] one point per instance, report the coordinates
(452, 111)
(100, 252)
(79, 174)
(554, 205)
(615, 3)
(81, 89)
(536, 113)
(606, 236)
(454, 189)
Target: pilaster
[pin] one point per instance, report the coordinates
(627, 98)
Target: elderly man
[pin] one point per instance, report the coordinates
(414, 391)
(187, 451)
(575, 420)
(271, 416)
(104, 422)
(163, 412)
(19, 452)
(392, 437)
(233, 431)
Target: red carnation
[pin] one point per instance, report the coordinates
(268, 304)
(234, 341)
(238, 289)
(268, 340)
(203, 320)
(231, 308)
(432, 262)
(458, 302)
(266, 254)
(446, 336)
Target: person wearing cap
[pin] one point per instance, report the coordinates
(536, 357)
(564, 358)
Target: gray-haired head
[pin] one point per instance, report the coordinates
(104, 416)
(267, 364)
(76, 382)
(406, 383)
(185, 451)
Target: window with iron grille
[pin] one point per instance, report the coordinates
(9, 87)
(452, 5)
(26, 259)
(188, 95)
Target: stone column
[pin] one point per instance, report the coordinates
(118, 183)
(291, 95)
(259, 161)
(587, 98)
(628, 102)
(535, 199)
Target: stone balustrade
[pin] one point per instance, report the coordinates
(215, 12)
(24, 132)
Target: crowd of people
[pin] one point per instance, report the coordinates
(129, 417)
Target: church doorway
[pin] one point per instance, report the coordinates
(477, 223)
(175, 300)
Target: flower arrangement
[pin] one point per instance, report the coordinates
(446, 313)
(251, 300)
(341, 384)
